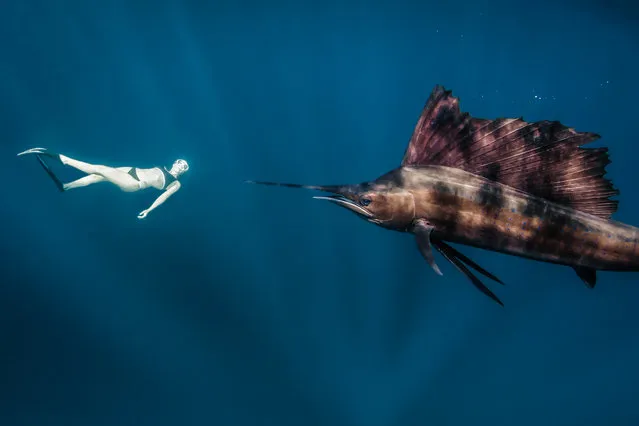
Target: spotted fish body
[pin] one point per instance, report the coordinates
(528, 189)
(468, 209)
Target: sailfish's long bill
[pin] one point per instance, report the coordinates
(342, 201)
(526, 189)
(341, 197)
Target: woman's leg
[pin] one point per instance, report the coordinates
(118, 176)
(89, 180)
(85, 181)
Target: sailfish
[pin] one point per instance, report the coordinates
(527, 189)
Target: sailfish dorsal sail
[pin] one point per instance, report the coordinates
(543, 158)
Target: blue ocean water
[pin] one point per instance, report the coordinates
(233, 304)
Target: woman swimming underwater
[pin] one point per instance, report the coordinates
(128, 179)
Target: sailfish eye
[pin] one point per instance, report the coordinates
(365, 201)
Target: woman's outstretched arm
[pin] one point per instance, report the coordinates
(170, 190)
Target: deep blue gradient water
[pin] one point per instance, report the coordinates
(234, 304)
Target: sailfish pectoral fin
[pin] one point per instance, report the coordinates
(422, 232)
(452, 256)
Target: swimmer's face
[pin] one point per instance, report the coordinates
(179, 167)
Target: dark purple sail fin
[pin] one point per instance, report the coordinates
(543, 158)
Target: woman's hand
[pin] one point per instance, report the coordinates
(143, 214)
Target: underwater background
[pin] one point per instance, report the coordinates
(234, 304)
